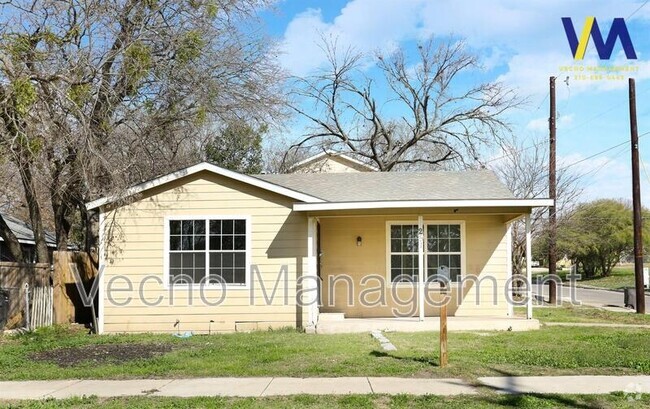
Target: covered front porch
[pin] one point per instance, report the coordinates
(355, 256)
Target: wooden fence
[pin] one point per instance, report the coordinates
(68, 303)
(41, 294)
(42, 311)
(13, 279)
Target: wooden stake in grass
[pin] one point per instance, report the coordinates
(443, 334)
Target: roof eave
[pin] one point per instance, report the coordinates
(250, 180)
(32, 242)
(410, 204)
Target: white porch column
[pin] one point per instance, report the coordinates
(310, 280)
(421, 267)
(509, 267)
(529, 271)
(101, 268)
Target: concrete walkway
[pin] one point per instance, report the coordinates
(260, 387)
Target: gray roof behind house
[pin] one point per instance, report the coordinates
(23, 231)
(383, 186)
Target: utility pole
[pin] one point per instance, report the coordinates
(636, 204)
(552, 225)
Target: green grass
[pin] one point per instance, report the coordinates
(485, 400)
(621, 276)
(549, 351)
(568, 313)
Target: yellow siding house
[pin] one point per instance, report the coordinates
(205, 249)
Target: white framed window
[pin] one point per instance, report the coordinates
(403, 252)
(208, 250)
(443, 250)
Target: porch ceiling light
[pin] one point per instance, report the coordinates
(359, 240)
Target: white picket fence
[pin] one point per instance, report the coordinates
(42, 312)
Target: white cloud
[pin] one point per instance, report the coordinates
(300, 53)
(365, 25)
(528, 36)
(524, 40)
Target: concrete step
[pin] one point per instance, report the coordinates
(331, 316)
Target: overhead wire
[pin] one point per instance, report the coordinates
(588, 121)
(639, 8)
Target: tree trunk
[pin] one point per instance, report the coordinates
(11, 241)
(91, 229)
(61, 210)
(62, 225)
(25, 167)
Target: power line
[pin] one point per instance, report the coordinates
(645, 171)
(598, 115)
(543, 100)
(515, 151)
(601, 152)
(588, 121)
(544, 142)
(602, 166)
(639, 8)
(594, 155)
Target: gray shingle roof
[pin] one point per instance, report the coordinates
(382, 186)
(24, 232)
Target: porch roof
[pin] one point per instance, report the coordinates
(520, 205)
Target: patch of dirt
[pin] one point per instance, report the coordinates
(102, 353)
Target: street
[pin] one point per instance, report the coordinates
(590, 297)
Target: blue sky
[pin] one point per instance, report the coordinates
(520, 43)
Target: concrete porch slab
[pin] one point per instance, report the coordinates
(409, 324)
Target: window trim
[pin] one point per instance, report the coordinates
(389, 224)
(463, 250)
(248, 251)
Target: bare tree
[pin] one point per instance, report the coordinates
(280, 155)
(96, 95)
(524, 170)
(425, 114)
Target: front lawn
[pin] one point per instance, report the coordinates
(569, 313)
(549, 351)
(621, 276)
(488, 400)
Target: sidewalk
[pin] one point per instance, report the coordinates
(260, 387)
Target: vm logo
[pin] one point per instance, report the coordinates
(604, 48)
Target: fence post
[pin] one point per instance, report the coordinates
(28, 322)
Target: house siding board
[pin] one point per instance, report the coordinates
(485, 245)
(331, 164)
(135, 237)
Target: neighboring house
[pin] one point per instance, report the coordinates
(564, 262)
(331, 161)
(269, 237)
(25, 236)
